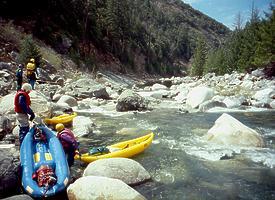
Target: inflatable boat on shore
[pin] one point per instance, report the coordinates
(38, 151)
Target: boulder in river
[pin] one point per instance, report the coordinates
(199, 95)
(129, 100)
(229, 131)
(127, 170)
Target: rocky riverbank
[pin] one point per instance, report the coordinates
(114, 94)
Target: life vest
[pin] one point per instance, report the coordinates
(17, 107)
(45, 176)
(30, 69)
(72, 143)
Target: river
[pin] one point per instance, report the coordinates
(183, 165)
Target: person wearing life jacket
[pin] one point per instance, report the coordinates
(19, 76)
(31, 74)
(68, 141)
(22, 109)
(45, 176)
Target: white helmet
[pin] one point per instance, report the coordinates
(26, 87)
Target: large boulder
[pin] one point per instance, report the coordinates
(127, 170)
(7, 104)
(210, 104)
(129, 100)
(43, 75)
(96, 91)
(5, 65)
(87, 88)
(71, 101)
(229, 131)
(234, 101)
(199, 95)
(82, 126)
(97, 187)
(40, 104)
(264, 96)
(5, 126)
(9, 171)
(158, 86)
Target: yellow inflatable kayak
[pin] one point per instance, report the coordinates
(124, 149)
(64, 119)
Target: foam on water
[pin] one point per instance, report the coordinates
(264, 156)
(213, 152)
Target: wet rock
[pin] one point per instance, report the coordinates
(9, 171)
(229, 131)
(82, 126)
(129, 100)
(210, 104)
(70, 101)
(97, 187)
(127, 170)
(5, 126)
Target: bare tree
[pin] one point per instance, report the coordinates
(238, 22)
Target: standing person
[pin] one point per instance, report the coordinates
(31, 74)
(19, 76)
(22, 108)
(68, 141)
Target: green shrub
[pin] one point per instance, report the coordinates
(28, 50)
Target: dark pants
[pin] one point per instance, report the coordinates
(19, 84)
(70, 153)
(31, 82)
(22, 133)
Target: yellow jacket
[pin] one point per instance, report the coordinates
(30, 66)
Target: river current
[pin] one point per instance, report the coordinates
(183, 165)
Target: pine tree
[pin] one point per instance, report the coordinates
(265, 51)
(28, 50)
(199, 58)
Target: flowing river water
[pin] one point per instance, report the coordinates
(183, 165)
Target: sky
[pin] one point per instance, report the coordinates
(225, 11)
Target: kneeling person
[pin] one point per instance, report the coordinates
(68, 141)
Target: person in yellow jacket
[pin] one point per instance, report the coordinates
(31, 74)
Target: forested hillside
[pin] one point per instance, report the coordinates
(154, 36)
(247, 48)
